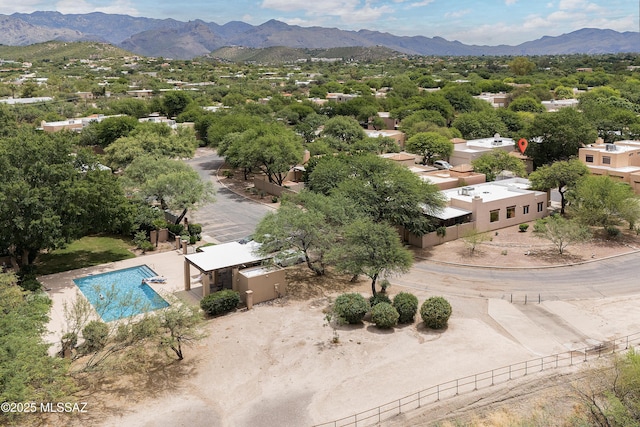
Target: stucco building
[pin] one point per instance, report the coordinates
(620, 161)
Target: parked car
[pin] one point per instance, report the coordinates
(442, 164)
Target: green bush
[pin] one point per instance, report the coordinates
(441, 231)
(95, 336)
(194, 229)
(220, 302)
(613, 232)
(523, 227)
(351, 308)
(176, 229)
(378, 298)
(407, 306)
(384, 315)
(435, 312)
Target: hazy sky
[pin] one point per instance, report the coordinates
(489, 22)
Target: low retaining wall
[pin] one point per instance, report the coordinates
(432, 239)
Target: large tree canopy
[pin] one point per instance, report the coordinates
(153, 139)
(496, 161)
(172, 183)
(48, 198)
(563, 175)
(602, 201)
(558, 136)
(373, 249)
(430, 145)
(272, 148)
(384, 190)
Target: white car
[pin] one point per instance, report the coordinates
(442, 164)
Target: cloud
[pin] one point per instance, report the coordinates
(27, 6)
(510, 2)
(349, 11)
(457, 13)
(123, 7)
(422, 3)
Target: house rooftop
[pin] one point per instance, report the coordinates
(225, 255)
(491, 191)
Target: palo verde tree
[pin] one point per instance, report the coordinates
(601, 201)
(561, 232)
(563, 175)
(372, 249)
(430, 145)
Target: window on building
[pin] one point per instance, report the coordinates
(588, 158)
(540, 206)
(606, 160)
(525, 210)
(494, 215)
(511, 211)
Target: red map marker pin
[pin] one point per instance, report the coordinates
(522, 144)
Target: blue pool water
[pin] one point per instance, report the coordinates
(121, 293)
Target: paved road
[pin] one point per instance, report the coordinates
(612, 277)
(231, 217)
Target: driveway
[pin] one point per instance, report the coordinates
(231, 217)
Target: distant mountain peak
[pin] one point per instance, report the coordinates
(185, 40)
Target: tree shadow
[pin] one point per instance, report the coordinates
(380, 331)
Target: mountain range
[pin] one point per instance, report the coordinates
(170, 38)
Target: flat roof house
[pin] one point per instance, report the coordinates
(464, 152)
(620, 160)
(485, 207)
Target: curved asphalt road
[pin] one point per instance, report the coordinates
(617, 276)
(231, 217)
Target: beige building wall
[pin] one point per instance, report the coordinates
(266, 282)
(432, 239)
(619, 161)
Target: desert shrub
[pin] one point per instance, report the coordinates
(194, 229)
(378, 298)
(176, 229)
(441, 231)
(523, 227)
(95, 336)
(274, 199)
(435, 312)
(220, 302)
(384, 315)
(407, 306)
(351, 308)
(612, 232)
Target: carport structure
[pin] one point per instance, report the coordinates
(219, 264)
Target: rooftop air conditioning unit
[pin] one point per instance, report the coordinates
(466, 191)
(497, 139)
(610, 147)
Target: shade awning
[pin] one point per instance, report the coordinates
(225, 255)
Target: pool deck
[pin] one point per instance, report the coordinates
(61, 289)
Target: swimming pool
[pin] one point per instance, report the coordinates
(121, 293)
